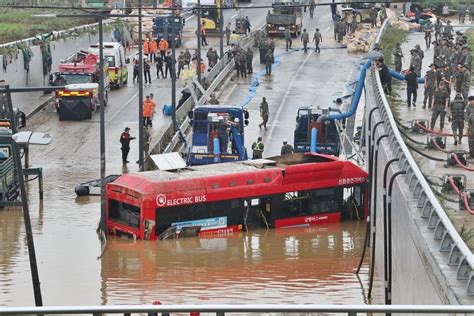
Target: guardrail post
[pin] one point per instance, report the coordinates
(351, 314)
(220, 314)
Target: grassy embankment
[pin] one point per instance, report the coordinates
(17, 24)
(388, 41)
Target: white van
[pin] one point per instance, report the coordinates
(114, 53)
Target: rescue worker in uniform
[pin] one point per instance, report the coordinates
(263, 47)
(181, 62)
(430, 86)
(288, 38)
(249, 56)
(440, 103)
(428, 30)
(264, 113)
(397, 57)
(470, 125)
(466, 82)
(125, 139)
(187, 57)
(305, 40)
(457, 118)
(415, 61)
(257, 148)
(317, 38)
(286, 149)
(268, 62)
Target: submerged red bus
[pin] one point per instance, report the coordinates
(284, 191)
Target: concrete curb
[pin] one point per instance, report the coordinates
(39, 107)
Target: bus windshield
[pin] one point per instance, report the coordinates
(110, 59)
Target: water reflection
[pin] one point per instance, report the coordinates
(296, 265)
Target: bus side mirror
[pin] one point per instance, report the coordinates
(190, 115)
(246, 122)
(246, 114)
(297, 119)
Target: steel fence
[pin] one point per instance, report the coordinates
(457, 255)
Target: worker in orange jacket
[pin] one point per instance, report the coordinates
(146, 48)
(148, 109)
(153, 50)
(163, 46)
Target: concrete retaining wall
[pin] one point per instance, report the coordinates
(417, 278)
(17, 76)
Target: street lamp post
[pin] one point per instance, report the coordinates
(102, 125)
(140, 87)
(173, 72)
(198, 64)
(221, 30)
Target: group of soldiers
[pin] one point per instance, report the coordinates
(266, 47)
(450, 69)
(243, 60)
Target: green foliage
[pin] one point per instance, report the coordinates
(389, 39)
(17, 24)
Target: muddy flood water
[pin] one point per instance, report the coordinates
(296, 265)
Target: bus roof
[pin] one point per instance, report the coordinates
(290, 166)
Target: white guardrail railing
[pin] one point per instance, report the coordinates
(448, 239)
(220, 310)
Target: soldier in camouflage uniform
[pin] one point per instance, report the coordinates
(415, 62)
(466, 82)
(457, 117)
(263, 47)
(430, 86)
(470, 125)
(397, 57)
(440, 103)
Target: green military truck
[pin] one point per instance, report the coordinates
(9, 188)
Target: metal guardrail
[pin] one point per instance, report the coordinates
(213, 79)
(459, 256)
(234, 308)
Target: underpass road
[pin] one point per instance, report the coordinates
(77, 143)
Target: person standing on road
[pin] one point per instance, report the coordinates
(415, 61)
(153, 50)
(466, 82)
(470, 125)
(286, 149)
(263, 48)
(264, 113)
(288, 38)
(311, 9)
(203, 34)
(317, 38)
(268, 62)
(136, 70)
(163, 45)
(146, 48)
(457, 107)
(412, 87)
(249, 56)
(247, 25)
(125, 139)
(373, 17)
(428, 30)
(445, 10)
(397, 57)
(430, 86)
(146, 71)
(168, 64)
(243, 64)
(448, 29)
(257, 148)
(440, 104)
(228, 32)
(187, 57)
(385, 76)
(305, 40)
(181, 62)
(148, 110)
(159, 67)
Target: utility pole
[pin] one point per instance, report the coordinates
(221, 29)
(173, 71)
(140, 87)
(102, 125)
(198, 64)
(26, 211)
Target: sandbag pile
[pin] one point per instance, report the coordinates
(360, 40)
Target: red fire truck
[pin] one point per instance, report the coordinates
(80, 99)
(302, 189)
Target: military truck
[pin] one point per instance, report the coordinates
(9, 187)
(285, 15)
